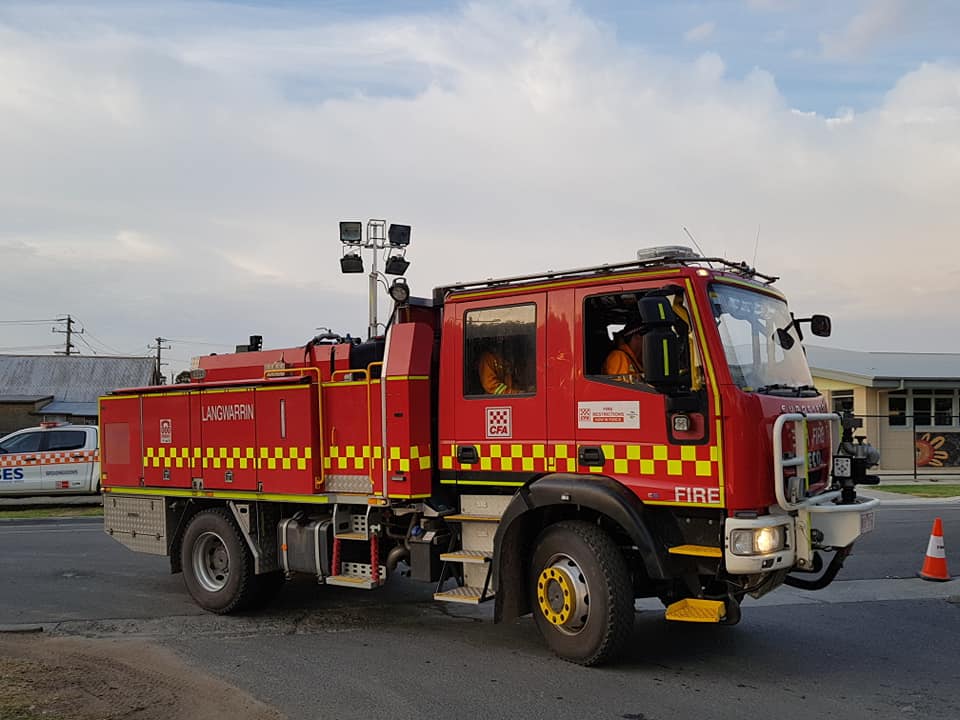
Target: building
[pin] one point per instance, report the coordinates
(909, 402)
(35, 388)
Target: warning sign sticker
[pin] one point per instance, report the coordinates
(612, 415)
(499, 422)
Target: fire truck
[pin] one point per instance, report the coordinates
(564, 492)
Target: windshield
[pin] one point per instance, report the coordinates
(748, 322)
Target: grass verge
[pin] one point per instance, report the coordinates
(66, 511)
(924, 491)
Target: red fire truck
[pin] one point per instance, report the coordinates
(714, 473)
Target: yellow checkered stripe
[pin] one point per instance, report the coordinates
(229, 458)
(692, 461)
(369, 457)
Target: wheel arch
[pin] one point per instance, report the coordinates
(554, 498)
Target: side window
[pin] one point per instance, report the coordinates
(66, 440)
(500, 351)
(613, 336)
(28, 442)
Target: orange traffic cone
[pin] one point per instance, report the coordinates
(935, 563)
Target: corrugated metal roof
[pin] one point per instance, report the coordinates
(883, 368)
(73, 378)
(86, 409)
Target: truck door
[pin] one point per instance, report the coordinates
(20, 470)
(67, 463)
(494, 426)
(625, 426)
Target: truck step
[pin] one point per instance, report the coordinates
(466, 594)
(355, 581)
(466, 517)
(356, 575)
(697, 551)
(477, 557)
(352, 536)
(695, 610)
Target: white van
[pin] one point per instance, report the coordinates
(50, 460)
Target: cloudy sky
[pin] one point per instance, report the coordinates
(178, 169)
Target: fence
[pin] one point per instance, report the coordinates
(908, 450)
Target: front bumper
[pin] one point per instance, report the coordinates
(819, 524)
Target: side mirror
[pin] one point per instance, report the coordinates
(820, 325)
(784, 338)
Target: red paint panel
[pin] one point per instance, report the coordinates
(120, 460)
(167, 442)
(229, 431)
(287, 438)
(351, 418)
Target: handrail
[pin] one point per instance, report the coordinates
(801, 457)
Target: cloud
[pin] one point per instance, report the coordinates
(879, 20)
(700, 33)
(181, 173)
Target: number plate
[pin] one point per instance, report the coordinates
(868, 521)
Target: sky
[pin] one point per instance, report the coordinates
(179, 169)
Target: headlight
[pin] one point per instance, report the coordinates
(757, 541)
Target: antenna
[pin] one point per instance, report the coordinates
(694, 241)
(756, 245)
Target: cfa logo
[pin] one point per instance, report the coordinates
(12, 474)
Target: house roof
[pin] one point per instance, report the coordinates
(890, 370)
(57, 407)
(71, 378)
(26, 399)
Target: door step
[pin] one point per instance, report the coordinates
(695, 610)
(697, 551)
(466, 594)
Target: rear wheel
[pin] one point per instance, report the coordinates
(582, 597)
(217, 565)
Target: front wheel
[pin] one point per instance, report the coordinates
(217, 565)
(582, 596)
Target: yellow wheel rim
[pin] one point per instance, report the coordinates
(555, 595)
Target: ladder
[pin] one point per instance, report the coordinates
(352, 527)
(470, 556)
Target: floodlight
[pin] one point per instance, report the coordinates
(351, 233)
(396, 265)
(351, 263)
(399, 235)
(399, 291)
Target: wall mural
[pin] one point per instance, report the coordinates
(937, 449)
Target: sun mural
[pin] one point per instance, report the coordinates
(930, 451)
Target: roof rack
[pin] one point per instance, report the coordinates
(671, 255)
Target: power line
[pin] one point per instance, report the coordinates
(27, 322)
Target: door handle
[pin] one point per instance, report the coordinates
(467, 454)
(591, 456)
(76, 454)
(29, 458)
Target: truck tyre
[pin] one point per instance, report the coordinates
(582, 598)
(217, 565)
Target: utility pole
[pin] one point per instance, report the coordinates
(158, 378)
(70, 348)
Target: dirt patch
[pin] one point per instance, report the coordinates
(66, 678)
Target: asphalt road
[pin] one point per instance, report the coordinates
(878, 643)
